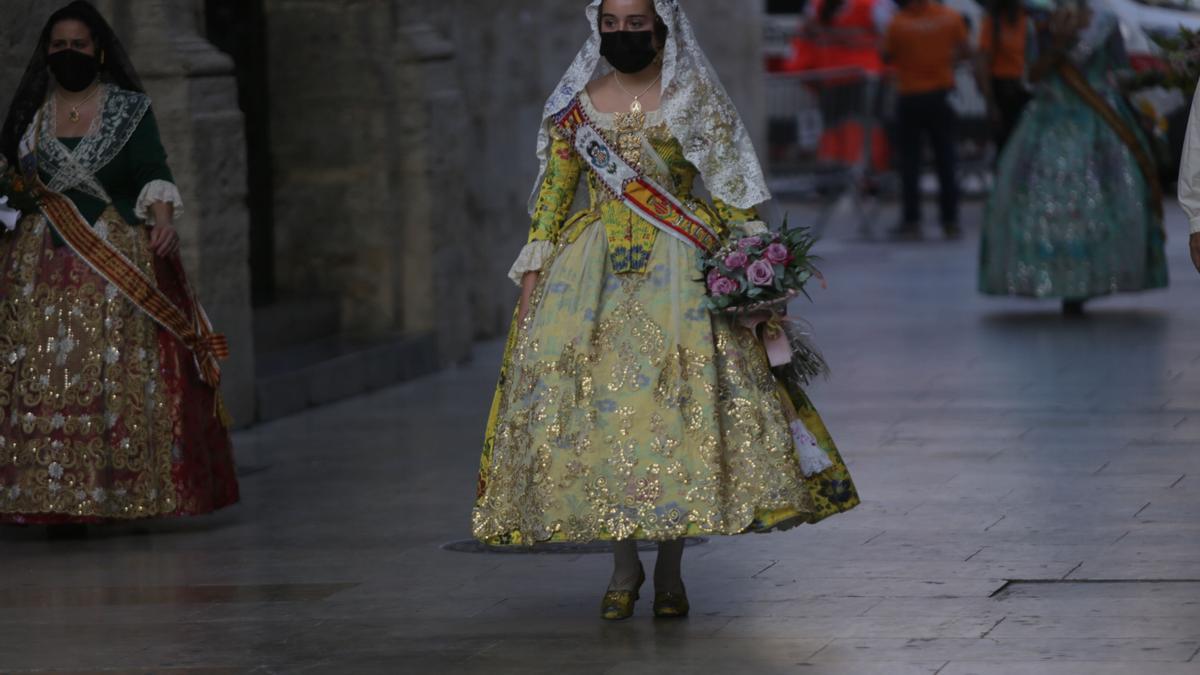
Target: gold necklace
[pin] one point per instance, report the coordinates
(636, 106)
(74, 114)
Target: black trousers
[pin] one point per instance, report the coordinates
(921, 116)
(1011, 98)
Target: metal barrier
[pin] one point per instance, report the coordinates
(821, 127)
(976, 152)
(804, 112)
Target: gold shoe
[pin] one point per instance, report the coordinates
(618, 605)
(671, 604)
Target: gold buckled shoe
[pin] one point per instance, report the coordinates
(671, 604)
(618, 605)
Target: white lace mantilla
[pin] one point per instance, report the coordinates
(532, 259)
(120, 114)
(157, 191)
(696, 106)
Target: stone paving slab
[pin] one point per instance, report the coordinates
(1077, 668)
(1009, 460)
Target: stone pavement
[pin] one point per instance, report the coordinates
(1031, 505)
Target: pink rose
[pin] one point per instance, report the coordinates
(737, 260)
(749, 243)
(723, 286)
(778, 254)
(760, 273)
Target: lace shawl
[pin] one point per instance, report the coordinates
(696, 107)
(120, 114)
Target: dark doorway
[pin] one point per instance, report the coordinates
(238, 28)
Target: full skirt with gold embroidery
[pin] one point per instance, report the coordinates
(102, 414)
(625, 409)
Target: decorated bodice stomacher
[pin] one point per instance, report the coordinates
(119, 162)
(644, 142)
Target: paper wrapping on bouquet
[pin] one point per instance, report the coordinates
(8, 216)
(774, 337)
(770, 315)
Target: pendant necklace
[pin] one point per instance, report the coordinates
(630, 125)
(636, 106)
(74, 114)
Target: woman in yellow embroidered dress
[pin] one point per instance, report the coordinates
(626, 411)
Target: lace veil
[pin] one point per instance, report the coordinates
(695, 105)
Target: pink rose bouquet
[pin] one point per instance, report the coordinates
(751, 279)
(753, 272)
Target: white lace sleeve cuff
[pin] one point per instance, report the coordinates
(532, 257)
(157, 191)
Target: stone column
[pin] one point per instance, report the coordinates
(332, 84)
(430, 150)
(18, 36)
(195, 100)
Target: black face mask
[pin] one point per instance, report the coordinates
(73, 70)
(628, 51)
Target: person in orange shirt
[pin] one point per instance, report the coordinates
(923, 43)
(842, 34)
(1007, 43)
(838, 35)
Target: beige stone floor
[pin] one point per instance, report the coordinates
(1031, 492)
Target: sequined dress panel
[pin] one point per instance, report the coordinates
(102, 414)
(624, 408)
(1070, 215)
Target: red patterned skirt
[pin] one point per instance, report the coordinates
(103, 416)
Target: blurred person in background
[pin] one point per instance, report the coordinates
(1189, 180)
(108, 367)
(1007, 43)
(840, 35)
(626, 411)
(1077, 208)
(924, 43)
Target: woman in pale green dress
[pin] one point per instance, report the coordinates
(1077, 211)
(626, 411)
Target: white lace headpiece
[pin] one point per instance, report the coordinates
(695, 105)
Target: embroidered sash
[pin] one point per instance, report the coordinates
(189, 324)
(623, 181)
(1079, 84)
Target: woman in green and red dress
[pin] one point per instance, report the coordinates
(104, 414)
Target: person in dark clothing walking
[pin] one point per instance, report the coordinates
(924, 42)
(1007, 43)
